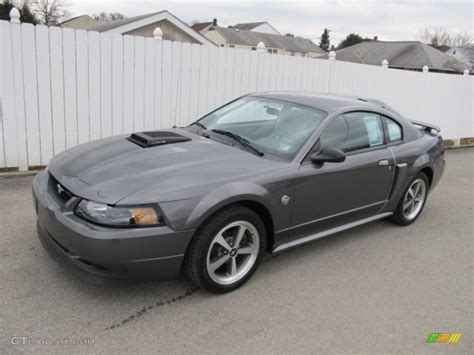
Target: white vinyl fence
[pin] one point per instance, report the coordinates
(63, 87)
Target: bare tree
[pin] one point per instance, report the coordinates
(462, 40)
(111, 16)
(435, 36)
(439, 37)
(51, 12)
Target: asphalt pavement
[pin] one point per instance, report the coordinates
(377, 288)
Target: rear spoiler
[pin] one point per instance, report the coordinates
(426, 127)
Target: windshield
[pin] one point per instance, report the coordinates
(276, 127)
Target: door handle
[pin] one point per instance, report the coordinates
(384, 162)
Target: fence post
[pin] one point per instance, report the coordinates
(20, 119)
(260, 47)
(15, 16)
(466, 72)
(385, 63)
(426, 69)
(332, 70)
(158, 33)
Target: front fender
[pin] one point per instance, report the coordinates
(225, 195)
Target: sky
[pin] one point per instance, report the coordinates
(390, 20)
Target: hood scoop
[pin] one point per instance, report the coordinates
(151, 139)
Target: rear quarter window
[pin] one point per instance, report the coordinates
(394, 130)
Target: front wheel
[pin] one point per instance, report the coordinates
(226, 250)
(412, 201)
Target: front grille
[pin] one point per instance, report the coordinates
(60, 193)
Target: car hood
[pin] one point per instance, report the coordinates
(112, 169)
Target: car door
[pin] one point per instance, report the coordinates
(333, 194)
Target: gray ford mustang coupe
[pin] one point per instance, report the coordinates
(263, 173)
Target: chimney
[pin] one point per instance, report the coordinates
(214, 22)
(376, 38)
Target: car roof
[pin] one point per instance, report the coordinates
(325, 102)
(331, 103)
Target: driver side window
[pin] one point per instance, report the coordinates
(353, 131)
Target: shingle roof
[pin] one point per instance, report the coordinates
(107, 26)
(409, 54)
(72, 19)
(292, 44)
(464, 54)
(247, 26)
(200, 26)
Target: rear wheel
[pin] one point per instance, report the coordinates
(412, 201)
(226, 250)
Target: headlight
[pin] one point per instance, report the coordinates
(118, 216)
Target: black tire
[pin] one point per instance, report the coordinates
(398, 216)
(195, 262)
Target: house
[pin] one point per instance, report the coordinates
(173, 28)
(275, 43)
(261, 27)
(407, 55)
(203, 27)
(248, 35)
(464, 54)
(83, 22)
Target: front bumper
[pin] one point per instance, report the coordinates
(100, 254)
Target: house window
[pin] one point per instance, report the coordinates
(222, 45)
(231, 46)
(254, 48)
(272, 51)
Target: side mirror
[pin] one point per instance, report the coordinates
(328, 155)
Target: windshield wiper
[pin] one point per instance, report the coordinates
(202, 133)
(239, 139)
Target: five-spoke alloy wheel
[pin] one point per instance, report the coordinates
(412, 201)
(233, 252)
(226, 250)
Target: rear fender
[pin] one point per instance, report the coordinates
(421, 162)
(403, 174)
